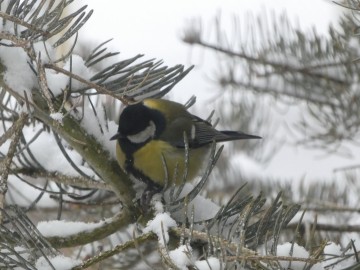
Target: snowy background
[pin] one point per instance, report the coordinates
(155, 28)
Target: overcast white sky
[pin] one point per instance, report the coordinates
(154, 28)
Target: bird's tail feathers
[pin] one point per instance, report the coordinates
(234, 135)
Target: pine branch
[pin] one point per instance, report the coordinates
(87, 146)
(317, 73)
(118, 222)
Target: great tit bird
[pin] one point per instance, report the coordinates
(150, 136)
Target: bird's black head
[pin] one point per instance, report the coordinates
(139, 123)
(134, 119)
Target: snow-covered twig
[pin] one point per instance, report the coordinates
(104, 228)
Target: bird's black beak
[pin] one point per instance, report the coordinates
(118, 135)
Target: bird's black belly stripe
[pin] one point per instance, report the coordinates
(129, 167)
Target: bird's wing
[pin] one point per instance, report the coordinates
(174, 132)
(199, 132)
(205, 133)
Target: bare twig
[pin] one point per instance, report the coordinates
(17, 42)
(259, 258)
(326, 227)
(23, 23)
(58, 177)
(203, 237)
(44, 89)
(5, 164)
(144, 238)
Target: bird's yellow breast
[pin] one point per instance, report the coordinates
(148, 160)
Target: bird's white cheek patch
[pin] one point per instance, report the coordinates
(144, 135)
